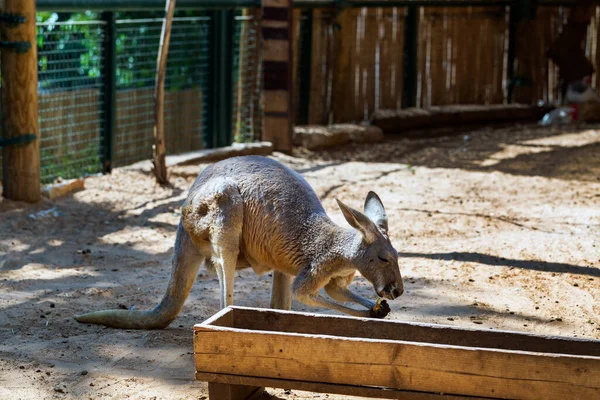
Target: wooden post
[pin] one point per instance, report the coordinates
(344, 89)
(411, 53)
(277, 70)
(159, 151)
(21, 151)
(223, 391)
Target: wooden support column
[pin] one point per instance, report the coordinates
(20, 127)
(277, 72)
(223, 391)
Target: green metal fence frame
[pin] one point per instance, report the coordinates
(304, 61)
(109, 92)
(140, 5)
(221, 83)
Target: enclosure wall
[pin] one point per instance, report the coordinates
(355, 60)
(96, 69)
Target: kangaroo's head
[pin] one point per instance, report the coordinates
(376, 259)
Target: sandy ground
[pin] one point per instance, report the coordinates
(497, 227)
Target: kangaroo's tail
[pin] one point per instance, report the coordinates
(186, 262)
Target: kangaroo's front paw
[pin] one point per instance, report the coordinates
(380, 310)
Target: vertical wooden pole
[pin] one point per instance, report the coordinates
(159, 151)
(21, 152)
(277, 70)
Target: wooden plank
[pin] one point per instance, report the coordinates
(367, 60)
(319, 387)
(222, 318)
(439, 35)
(278, 49)
(276, 101)
(277, 71)
(344, 88)
(423, 68)
(391, 59)
(315, 324)
(317, 82)
(415, 122)
(323, 53)
(397, 364)
(272, 124)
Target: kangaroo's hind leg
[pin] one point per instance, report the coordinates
(281, 291)
(218, 214)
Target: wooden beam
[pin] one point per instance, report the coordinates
(344, 88)
(342, 326)
(319, 387)
(20, 126)
(277, 72)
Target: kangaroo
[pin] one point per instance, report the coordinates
(255, 212)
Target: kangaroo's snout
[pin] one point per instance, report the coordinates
(391, 292)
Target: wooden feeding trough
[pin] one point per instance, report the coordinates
(240, 349)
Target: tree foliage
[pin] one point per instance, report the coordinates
(71, 47)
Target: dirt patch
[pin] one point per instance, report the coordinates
(497, 229)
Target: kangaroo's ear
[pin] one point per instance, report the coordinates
(359, 221)
(375, 211)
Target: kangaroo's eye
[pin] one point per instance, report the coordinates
(383, 259)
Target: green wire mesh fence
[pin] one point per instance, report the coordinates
(186, 102)
(70, 98)
(73, 74)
